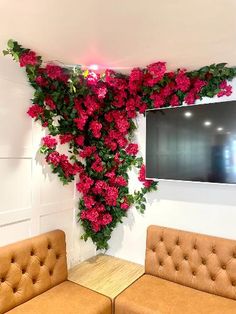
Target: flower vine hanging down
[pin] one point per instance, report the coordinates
(95, 118)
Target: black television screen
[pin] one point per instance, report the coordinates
(192, 143)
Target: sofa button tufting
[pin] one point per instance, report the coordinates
(12, 260)
(214, 251)
(50, 272)
(161, 239)
(195, 247)
(49, 246)
(169, 253)
(234, 283)
(161, 263)
(3, 279)
(32, 253)
(23, 271)
(34, 281)
(234, 255)
(203, 262)
(224, 267)
(176, 267)
(58, 255)
(41, 263)
(14, 290)
(186, 257)
(213, 278)
(194, 273)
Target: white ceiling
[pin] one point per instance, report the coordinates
(123, 33)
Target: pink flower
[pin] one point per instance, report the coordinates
(125, 205)
(226, 90)
(182, 81)
(34, 111)
(28, 58)
(49, 141)
(96, 227)
(198, 85)
(111, 196)
(96, 127)
(174, 101)
(53, 71)
(53, 158)
(132, 149)
(101, 92)
(65, 138)
(49, 102)
(91, 105)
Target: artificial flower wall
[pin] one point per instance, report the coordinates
(95, 116)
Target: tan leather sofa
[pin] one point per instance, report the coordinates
(33, 280)
(185, 273)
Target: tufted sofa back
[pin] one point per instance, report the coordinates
(30, 267)
(199, 261)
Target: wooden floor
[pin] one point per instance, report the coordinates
(106, 274)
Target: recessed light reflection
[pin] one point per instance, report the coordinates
(188, 114)
(207, 123)
(219, 129)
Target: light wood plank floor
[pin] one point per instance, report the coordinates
(106, 274)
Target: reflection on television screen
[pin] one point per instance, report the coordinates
(192, 143)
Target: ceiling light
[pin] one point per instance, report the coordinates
(207, 123)
(220, 129)
(93, 67)
(188, 114)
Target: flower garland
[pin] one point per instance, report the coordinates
(95, 117)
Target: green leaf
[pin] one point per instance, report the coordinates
(10, 43)
(5, 52)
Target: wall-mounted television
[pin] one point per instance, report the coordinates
(192, 143)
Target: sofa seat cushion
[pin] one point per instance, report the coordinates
(68, 298)
(149, 295)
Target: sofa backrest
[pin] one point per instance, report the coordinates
(30, 267)
(195, 260)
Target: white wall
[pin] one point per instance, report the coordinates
(201, 207)
(32, 200)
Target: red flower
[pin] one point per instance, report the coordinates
(85, 184)
(97, 165)
(79, 140)
(80, 122)
(158, 101)
(28, 58)
(190, 98)
(96, 127)
(49, 141)
(65, 138)
(111, 196)
(135, 80)
(53, 71)
(125, 205)
(89, 201)
(142, 177)
(53, 158)
(34, 111)
(106, 219)
(132, 149)
(120, 181)
(174, 101)
(182, 81)
(88, 151)
(155, 74)
(96, 227)
(100, 187)
(41, 81)
(91, 105)
(49, 102)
